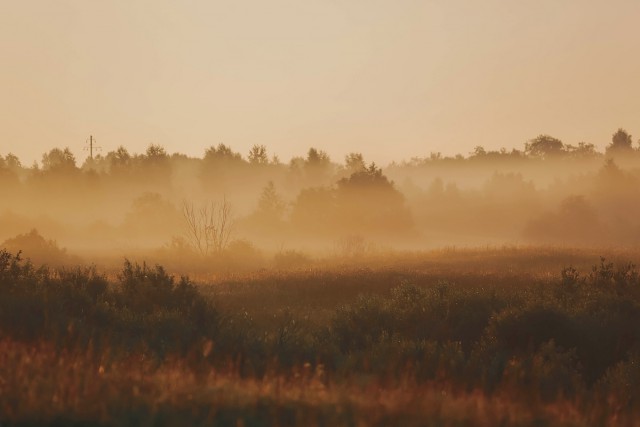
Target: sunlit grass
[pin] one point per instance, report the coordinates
(40, 384)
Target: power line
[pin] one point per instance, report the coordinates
(91, 146)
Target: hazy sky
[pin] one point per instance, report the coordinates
(392, 79)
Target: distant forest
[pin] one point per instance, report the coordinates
(548, 192)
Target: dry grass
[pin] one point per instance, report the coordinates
(42, 385)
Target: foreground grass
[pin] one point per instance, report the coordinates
(42, 385)
(387, 346)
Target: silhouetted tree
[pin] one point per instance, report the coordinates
(156, 153)
(317, 167)
(370, 177)
(478, 151)
(8, 175)
(354, 162)
(221, 167)
(544, 146)
(582, 150)
(118, 158)
(367, 201)
(621, 142)
(270, 203)
(210, 227)
(221, 153)
(58, 160)
(12, 161)
(154, 166)
(269, 215)
(37, 248)
(258, 155)
(317, 158)
(315, 210)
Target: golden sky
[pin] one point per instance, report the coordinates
(392, 79)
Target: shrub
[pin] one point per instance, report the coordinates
(621, 384)
(146, 309)
(38, 248)
(547, 374)
(441, 313)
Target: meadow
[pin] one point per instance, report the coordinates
(494, 336)
(498, 288)
(319, 213)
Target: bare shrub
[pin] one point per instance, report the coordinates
(209, 227)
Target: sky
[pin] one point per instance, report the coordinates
(390, 79)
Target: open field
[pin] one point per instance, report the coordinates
(319, 213)
(493, 336)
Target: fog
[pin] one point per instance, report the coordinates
(230, 210)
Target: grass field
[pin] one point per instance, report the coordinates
(493, 336)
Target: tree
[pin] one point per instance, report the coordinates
(317, 167)
(119, 158)
(258, 155)
(37, 248)
(354, 162)
(621, 142)
(317, 158)
(221, 168)
(583, 150)
(544, 146)
(12, 161)
(58, 160)
(8, 172)
(221, 153)
(209, 228)
(368, 202)
(369, 177)
(271, 205)
(314, 210)
(156, 153)
(479, 151)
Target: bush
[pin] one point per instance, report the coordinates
(145, 309)
(38, 249)
(547, 374)
(439, 313)
(621, 384)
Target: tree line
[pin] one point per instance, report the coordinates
(541, 147)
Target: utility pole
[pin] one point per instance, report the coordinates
(91, 147)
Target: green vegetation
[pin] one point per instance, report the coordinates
(395, 344)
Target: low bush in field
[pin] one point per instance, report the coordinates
(549, 339)
(39, 248)
(145, 308)
(441, 313)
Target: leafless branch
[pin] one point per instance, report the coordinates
(209, 228)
